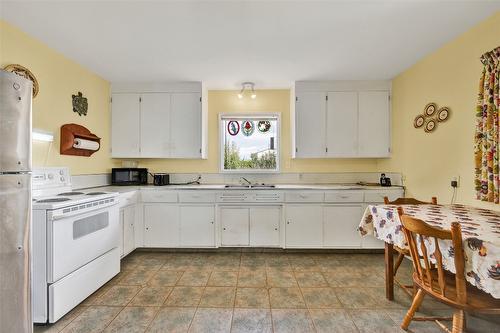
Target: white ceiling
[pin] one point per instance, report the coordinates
(225, 43)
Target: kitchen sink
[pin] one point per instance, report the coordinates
(237, 187)
(247, 187)
(263, 186)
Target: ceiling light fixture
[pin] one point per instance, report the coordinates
(250, 86)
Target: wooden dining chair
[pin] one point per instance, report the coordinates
(432, 279)
(405, 252)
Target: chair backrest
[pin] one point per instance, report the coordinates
(409, 201)
(417, 229)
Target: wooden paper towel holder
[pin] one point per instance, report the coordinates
(70, 132)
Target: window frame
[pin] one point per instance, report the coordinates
(244, 116)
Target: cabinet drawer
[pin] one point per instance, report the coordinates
(344, 196)
(267, 196)
(231, 196)
(378, 196)
(301, 196)
(159, 196)
(196, 196)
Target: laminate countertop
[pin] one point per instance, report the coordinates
(221, 187)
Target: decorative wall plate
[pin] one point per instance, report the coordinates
(443, 114)
(233, 127)
(430, 125)
(430, 109)
(419, 121)
(26, 73)
(80, 104)
(248, 127)
(263, 126)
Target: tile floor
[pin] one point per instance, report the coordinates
(250, 292)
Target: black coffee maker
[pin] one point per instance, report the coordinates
(385, 181)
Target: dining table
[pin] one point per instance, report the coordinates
(480, 234)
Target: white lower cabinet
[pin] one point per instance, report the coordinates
(120, 239)
(128, 219)
(371, 242)
(161, 225)
(306, 219)
(234, 223)
(265, 226)
(340, 226)
(252, 226)
(304, 226)
(197, 226)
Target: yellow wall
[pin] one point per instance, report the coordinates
(270, 101)
(59, 78)
(448, 77)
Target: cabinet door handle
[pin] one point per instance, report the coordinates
(287, 221)
(276, 229)
(212, 222)
(344, 196)
(147, 228)
(223, 228)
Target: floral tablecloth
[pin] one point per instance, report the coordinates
(480, 232)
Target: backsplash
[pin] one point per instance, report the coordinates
(85, 181)
(287, 178)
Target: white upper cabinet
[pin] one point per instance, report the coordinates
(310, 111)
(343, 119)
(125, 119)
(185, 118)
(342, 124)
(155, 125)
(157, 120)
(374, 124)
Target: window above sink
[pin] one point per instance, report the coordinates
(249, 143)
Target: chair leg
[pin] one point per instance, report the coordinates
(458, 321)
(417, 300)
(398, 262)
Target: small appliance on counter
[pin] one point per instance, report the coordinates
(161, 179)
(385, 181)
(129, 176)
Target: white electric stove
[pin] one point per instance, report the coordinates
(75, 243)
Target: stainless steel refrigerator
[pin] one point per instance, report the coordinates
(15, 203)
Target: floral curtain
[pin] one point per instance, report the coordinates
(486, 141)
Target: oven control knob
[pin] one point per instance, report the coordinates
(61, 172)
(62, 179)
(50, 176)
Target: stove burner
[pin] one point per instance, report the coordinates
(53, 200)
(70, 193)
(95, 193)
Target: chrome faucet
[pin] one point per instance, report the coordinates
(246, 180)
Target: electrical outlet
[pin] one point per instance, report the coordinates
(455, 181)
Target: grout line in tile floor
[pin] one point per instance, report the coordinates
(303, 298)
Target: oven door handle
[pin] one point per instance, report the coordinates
(77, 213)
